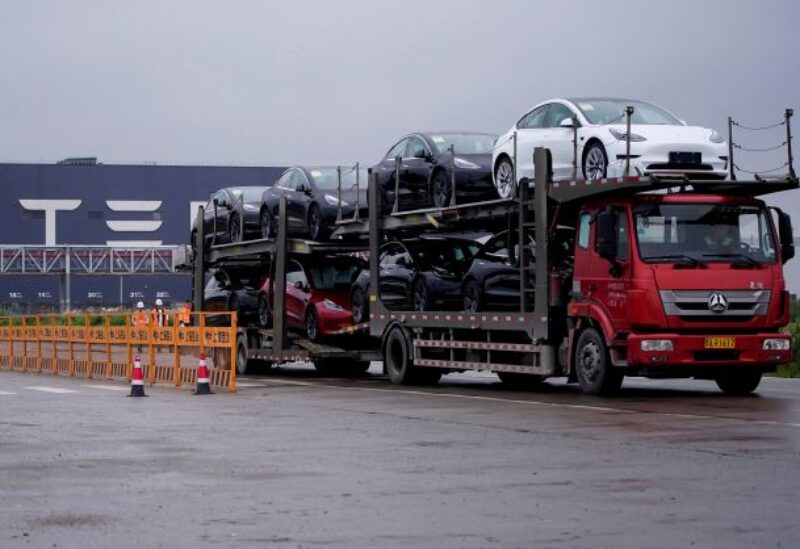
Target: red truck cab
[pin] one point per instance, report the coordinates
(679, 285)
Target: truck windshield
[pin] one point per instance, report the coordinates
(704, 233)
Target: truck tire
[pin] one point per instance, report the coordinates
(520, 381)
(739, 382)
(596, 375)
(397, 359)
(242, 364)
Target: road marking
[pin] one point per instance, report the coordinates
(537, 403)
(107, 387)
(6, 393)
(56, 390)
(238, 384)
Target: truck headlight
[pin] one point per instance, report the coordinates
(656, 345)
(776, 344)
(331, 306)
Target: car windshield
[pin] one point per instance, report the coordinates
(464, 143)
(251, 194)
(701, 233)
(430, 253)
(612, 111)
(336, 273)
(328, 179)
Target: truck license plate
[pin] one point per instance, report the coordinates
(720, 343)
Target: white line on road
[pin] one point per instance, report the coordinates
(6, 393)
(543, 404)
(239, 384)
(107, 387)
(56, 390)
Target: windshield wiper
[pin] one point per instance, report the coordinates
(749, 261)
(678, 257)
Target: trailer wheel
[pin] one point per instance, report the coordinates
(739, 382)
(596, 375)
(520, 381)
(397, 358)
(242, 366)
(312, 323)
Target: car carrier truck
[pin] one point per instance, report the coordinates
(651, 277)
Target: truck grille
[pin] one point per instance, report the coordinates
(739, 305)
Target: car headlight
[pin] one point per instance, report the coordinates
(622, 136)
(775, 344)
(331, 306)
(333, 201)
(716, 137)
(656, 345)
(466, 164)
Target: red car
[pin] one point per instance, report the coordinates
(317, 295)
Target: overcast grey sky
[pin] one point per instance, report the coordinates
(276, 83)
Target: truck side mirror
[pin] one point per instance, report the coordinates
(606, 234)
(786, 235)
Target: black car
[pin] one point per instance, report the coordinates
(236, 291)
(313, 200)
(420, 274)
(224, 213)
(426, 166)
(492, 279)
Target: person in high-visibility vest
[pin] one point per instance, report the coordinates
(185, 315)
(140, 319)
(159, 314)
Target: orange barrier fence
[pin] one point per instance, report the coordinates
(104, 346)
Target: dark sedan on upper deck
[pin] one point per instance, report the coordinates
(426, 163)
(231, 215)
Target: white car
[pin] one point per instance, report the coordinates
(661, 144)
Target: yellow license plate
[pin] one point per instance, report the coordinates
(720, 343)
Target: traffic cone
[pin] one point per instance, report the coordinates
(203, 386)
(137, 379)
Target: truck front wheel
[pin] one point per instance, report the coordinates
(596, 375)
(738, 382)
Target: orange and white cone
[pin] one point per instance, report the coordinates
(137, 379)
(203, 385)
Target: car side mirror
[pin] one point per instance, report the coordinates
(606, 234)
(421, 154)
(786, 235)
(567, 123)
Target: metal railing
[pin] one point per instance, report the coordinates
(789, 164)
(95, 260)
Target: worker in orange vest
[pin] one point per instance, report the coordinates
(185, 315)
(140, 320)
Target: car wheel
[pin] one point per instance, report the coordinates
(441, 189)
(472, 296)
(234, 228)
(596, 375)
(315, 223)
(739, 382)
(267, 224)
(359, 306)
(595, 162)
(419, 296)
(312, 323)
(242, 366)
(504, 178)
(264, 314)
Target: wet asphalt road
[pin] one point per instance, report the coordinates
(294, 460)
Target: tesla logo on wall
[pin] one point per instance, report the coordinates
(51, 207)
(717, 303)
